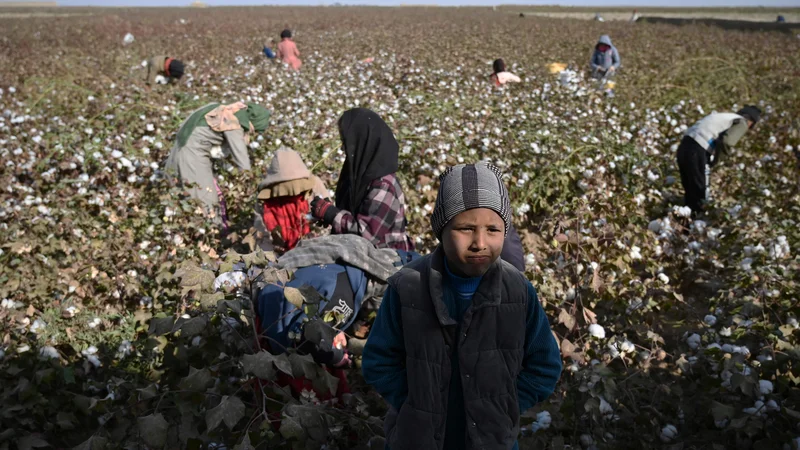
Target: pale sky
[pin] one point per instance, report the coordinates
(642, 3)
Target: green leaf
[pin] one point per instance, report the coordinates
(291, 428)
(193, 326)
(260, 365)
(197, 380)
(148, 392)
(282, 363)
(303, 366)
(208, 301)
(93, 443)
(31, 441)
(721, 412)
(153, 430)
(230, 410)
(161, 326)
(324, 381)
(245, 444)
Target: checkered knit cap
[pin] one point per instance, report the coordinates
(469, 186)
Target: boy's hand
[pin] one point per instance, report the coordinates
(340, 341)
(345, 362)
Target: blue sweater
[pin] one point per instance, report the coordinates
(384, 356)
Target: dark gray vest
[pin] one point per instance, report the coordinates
(490, 350)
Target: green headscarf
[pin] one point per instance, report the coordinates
(255, 114)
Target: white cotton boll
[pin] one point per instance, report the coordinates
(150, 127)
(597, 331)
(94, 323)
(38, 326)
(693, 341)
(710, 320)
(216, 152)
(544, 419)
(605, 407)
(627, 347)
(49, 352)
(635, 253)
(655, 226)
(94, 360)
(613, 350)
(124, 349)
(757, 409)
(160, 79)
(765, 387)
(682, 211)
(791, 321)
(651, 176)
(116, 154)
(530, 259)
(128, 39)
(23, 348)
(663, 278)
(668, 433)
(772, 406)
(746, 263)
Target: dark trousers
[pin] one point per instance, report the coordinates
(692, 164)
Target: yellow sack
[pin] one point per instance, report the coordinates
(610, 84)
(556, 67)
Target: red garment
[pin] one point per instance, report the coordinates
(603, 47)
(288, 213)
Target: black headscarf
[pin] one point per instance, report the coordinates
(750, 113)
(175, 68)
(371, 153)
(499, 66)
(287, 33)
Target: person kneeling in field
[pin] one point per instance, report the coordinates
(163, 70)
(500, 76)
(282, 208)
(461, 346)
(369, 198)
(605, 58)
(704, 144)
(212, 129)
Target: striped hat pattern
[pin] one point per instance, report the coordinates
(469, 186)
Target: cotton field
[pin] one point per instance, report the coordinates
(674, 332)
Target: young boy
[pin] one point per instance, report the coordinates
(461, 346)
(704, 143)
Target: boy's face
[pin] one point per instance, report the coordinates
(472, 241)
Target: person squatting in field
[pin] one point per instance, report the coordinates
(703, 145)
(461, 346)
(287, 51)
(212, 129)
(605, 60)
(369, 200)
(499, 74)
(282, 206)
(162, 70)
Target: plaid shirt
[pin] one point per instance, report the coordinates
(381, 219)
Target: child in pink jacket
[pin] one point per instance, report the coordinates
(500, 76)
(287, 51)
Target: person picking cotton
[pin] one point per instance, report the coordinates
(704, 144)
(461, 346)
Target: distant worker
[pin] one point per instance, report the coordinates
(287, 51)
(781, 19)
(605, 58)
(500, 76)
(598, 17)
(163, 70)
(268, 49)
(635, 15)
(704, 144)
